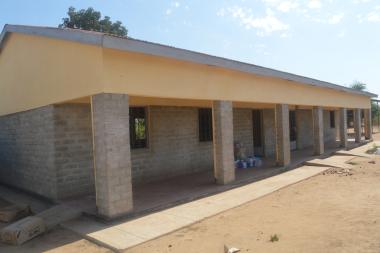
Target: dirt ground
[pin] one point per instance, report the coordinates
(56, 241)
(337, 211)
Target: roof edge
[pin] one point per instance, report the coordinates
(139, 46)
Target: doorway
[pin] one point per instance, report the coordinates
(258, 137)
(292, 130)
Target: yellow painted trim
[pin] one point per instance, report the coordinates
(37, 71)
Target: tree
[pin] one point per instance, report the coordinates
(358, 86)
(90, 20)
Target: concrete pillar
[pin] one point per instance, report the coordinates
(358, 125)
(282, 135)
(112, 157)
(319, 145)
(368, 124)
(224, 168)
(337, 124)
(343, 127)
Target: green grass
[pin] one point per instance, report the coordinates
(373, 149)
(274, 238)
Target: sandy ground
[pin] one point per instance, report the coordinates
(328, 213)
(333, 212)
(56, 241)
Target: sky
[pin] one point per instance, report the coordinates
(331, 40)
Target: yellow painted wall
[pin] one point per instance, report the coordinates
(37, 71)
(145, 75)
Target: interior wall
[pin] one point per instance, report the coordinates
(243, 131)
(304, 122)
(173, 143)
(330, 133)
(269, 132)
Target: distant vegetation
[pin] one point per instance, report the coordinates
(357, 85)
(90, 20)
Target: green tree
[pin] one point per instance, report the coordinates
(375, 112)
(358, 86)
(90, 20)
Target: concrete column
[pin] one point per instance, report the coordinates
(343, 127)
(358, 125)
(112, 157)
(337, 124)
(282, 135)
(224, 168)
(368, 124)
(319, 145)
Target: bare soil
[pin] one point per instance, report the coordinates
(58, 240)
(337, 211)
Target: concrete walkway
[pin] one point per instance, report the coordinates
(130, 233)
(125, 234)
(337, 161)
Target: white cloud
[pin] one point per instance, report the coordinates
(361, 1)
(327, 19)
(176, 4)
(260, 48)
(287, 6)
(264, 25)
(173, 5)
(373, 16)
(335, 19)
(283, 6)
(341, 34)
(314, 4)
(221, 12)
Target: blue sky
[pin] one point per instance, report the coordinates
(330, 40)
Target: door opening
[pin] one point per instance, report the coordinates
(258, 138)
(292, 130)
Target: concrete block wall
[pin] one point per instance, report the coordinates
(48, 151)
(173, 143)
(243, 129)
(304, 129)
(330, 134)
(73, 150)
(304, 122)
(269, 132)
(27, 151)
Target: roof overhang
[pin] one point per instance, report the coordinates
(144, 47)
